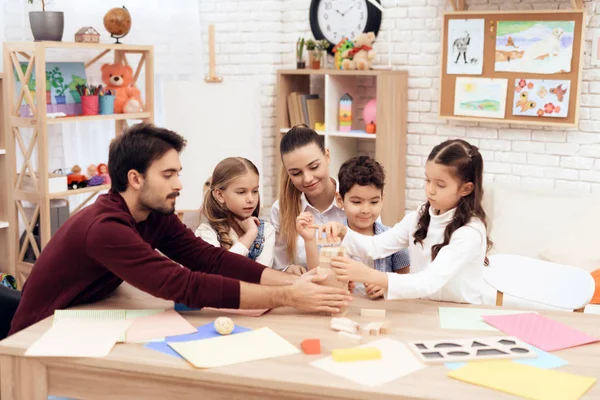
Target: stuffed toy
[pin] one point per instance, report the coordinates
(361, 55)
(118, 78)
(340, 50)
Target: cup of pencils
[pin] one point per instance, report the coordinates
(89, 98)
(107, 101)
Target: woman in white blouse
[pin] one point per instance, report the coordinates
(305, 186)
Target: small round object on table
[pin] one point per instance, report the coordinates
(224, 325)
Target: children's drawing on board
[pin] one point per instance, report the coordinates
(480, 97)
(465, 46)
(541, 98)
(541, 47)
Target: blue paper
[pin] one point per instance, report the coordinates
(204, 332)
(183, 307)
(543, 360)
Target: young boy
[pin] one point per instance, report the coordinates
(361, 182)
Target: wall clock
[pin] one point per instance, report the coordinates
(335, 19)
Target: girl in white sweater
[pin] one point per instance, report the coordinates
(229, 215)
(446, 237)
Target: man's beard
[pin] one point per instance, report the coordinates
(163, 210)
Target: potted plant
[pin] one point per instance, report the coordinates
(322, 46)
(46, 25)
(314, 59)
(300, 63)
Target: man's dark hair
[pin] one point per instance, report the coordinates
(362, 171)
(137, 148)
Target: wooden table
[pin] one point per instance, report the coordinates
(134, 372)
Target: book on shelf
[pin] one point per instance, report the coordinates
(305, 108)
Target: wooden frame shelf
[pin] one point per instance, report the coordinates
(34, 54)
(4, 224)
(390, 140)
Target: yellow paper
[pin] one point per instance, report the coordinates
(233, 349)
(78, 338)
(524, 380)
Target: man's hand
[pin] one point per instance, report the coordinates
(308, 295)
(295, 270)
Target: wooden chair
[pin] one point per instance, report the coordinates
(539, 281)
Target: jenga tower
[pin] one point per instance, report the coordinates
(325, 255)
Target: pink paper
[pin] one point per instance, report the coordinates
(539, 331)
(247, 313)
(168, 323)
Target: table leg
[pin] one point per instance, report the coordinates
(22, 379)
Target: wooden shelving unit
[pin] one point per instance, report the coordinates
(34, 53)
(390, 140)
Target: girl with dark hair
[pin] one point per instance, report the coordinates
(447, 236)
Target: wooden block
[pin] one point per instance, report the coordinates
(344, 324)
(372, 312)
(311, 346)
(385, 328)
(356, 354)
(457, 350)
(372, 328)
(350, 337)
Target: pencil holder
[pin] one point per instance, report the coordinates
(89, 105)
(107, 104)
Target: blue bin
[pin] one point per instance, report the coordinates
(107, 104)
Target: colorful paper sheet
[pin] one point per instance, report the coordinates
(397, 360)
(103, 315)
(247, 313)
(203, 332)
(539, 331)
(234, 349)
(524, 380)
(543, 360)
(79, 338)
(168, 323)
(471, 319)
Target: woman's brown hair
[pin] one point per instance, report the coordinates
(467, 164)
(289, 197)
(216, 213)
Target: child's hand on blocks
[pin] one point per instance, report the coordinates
(350, 270)
(334, 232)
(373, 291)
(305, 226)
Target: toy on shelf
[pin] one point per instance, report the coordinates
(117, 22)
(345, 113)
(340, 50)
(103, 172)
(92, 175)
(76, 180)
(87, 34)
(118, 78)
(370, 116)
(361, 55)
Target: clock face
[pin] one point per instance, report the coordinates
(342, 18)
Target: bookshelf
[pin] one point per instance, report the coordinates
(35, 163)
(391, 91)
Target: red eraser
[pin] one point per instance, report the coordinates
(311, 346)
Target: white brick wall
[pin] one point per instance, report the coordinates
(257, 37)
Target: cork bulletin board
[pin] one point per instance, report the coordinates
(532, 55)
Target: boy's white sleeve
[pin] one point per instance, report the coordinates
(465, 245)
(382, 245)
(266, 255)
(280, 258)
(209, 235)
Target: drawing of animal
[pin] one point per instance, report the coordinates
(474, 60)
(542, 92)
(524, 102)
(559, 92)
(549, 46)
(462, 45)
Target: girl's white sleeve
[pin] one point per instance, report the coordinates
(466, 244)
(382, 245)
(280, 258)
(209, 235)
(266, 255)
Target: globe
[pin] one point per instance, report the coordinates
(117, 22)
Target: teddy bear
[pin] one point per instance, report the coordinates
(362, 54)
(118, 78)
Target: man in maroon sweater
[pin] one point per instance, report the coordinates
(116, 238)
